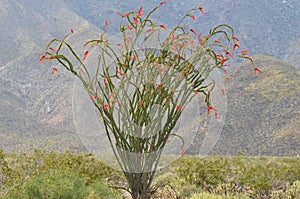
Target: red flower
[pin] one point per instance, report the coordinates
(101, 37)
(93, 97)
(235, 45)
(120, 73)
(139, 13)
(163, 26)
(218, 41)
(178, 108)
(209, 108)
(222, 60)
(127, 14)
(193, 17)
(85, 54)
(54, 70)
(223, 91)
(105, 106)
(256, 69)
(193, 31)
(212, 108)
(235, 38)
(42, 58)
(216, 114)
(106, 22)
(158, 86)
(72, 31)
(172, 35)
(105, 81)
(227, 53)
(129, 27)
(141, 103)
(182, 152)
(163, 2)
(199, 38)
(52, 49)
(244, 52)
(51, 57)
(149, 30)
(135, 20)
(124, 65)
(201, 9)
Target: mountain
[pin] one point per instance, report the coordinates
(293, 54)
(263, 113)
(265, 27)
(36, 107)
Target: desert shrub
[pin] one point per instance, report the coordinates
(264, 174)
(59, 184)
(175, 185)
(203, 172)
(205, 195)
(258, 176)
(290, 192)
(27, 164)
(23, 171)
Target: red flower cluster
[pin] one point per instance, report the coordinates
(209, 108)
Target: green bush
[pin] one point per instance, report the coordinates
(38, 172)
(260, 175)
(202, 172)
(182, 188)
(55, 184)
(22, 165)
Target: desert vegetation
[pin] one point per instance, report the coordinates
(40, 174)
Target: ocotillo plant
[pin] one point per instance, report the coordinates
(144, 81)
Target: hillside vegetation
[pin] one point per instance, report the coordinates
(67, 175)
(262, 116)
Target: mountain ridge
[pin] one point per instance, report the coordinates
(40, 107)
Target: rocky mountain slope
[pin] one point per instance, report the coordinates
(265, 27)
(36, 107)
(263, 113)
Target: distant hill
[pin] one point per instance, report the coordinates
(293, 54)
(35, 107)
(266, 27)
(263, 113)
